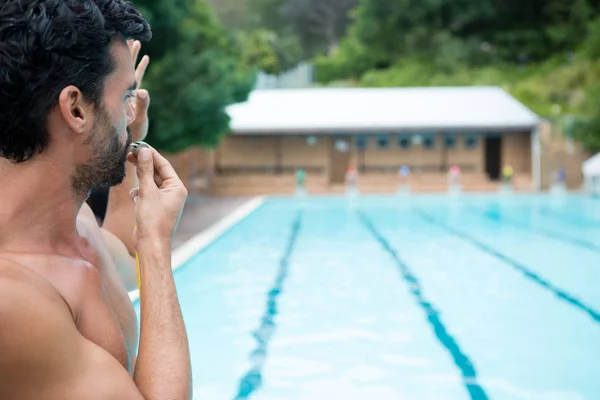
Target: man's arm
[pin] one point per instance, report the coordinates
(124, 261)
(120, 217)
(44, 357)
(159, 200)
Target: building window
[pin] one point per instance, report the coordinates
(449, 141)
(428, 142)
(342, 146)
(471, 142)
(360, 142)
(404, 142)
(311, 140)
(383, 142)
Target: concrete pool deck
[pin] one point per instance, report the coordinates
(201, 212)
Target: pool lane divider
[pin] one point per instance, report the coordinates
(461, 360)
(489, 214)
(527, 273)
(253, 378)
(189, 249)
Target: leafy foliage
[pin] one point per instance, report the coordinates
(273, 54)
(320, 24)
(195, 73)
(544, 52)
(455, 33)
(279, 34)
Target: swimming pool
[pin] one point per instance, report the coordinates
(422, 297)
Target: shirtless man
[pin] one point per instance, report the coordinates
(68, 101)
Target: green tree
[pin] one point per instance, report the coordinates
(193, 77)
(165, 17)
(293, 29)
(258, 50)
(232, 13)
(267, 14)
(268, 52)
(457, 33)
(267, 41)
(319, 23)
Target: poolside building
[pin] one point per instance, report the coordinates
(324, 131)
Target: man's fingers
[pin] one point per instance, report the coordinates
(132, 158)
(149, 161)
(163, 167)
(145, 170)
(142, 102)
(135, 50)
(140, 71)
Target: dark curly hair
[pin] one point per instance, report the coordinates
(46, 45)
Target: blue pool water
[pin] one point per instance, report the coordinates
(417, 298)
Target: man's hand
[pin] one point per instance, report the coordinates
(158, 204)
(139, 127)
(160, 197)
(120, 218)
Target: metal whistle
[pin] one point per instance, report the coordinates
(135, 147)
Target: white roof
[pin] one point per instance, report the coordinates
(591, 167)
(339, 110)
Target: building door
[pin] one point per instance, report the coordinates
(339, 159)
(493, 156)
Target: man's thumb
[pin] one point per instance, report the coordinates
(143, 100)
(145, 167)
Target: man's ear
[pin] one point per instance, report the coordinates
(74, 109)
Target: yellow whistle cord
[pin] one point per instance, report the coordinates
(137, 270)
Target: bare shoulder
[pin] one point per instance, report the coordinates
(43, 354)
(19, 284)
(31, 311)
(28, 302)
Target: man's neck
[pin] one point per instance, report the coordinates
(38, 212)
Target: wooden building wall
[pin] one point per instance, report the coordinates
(273, 154)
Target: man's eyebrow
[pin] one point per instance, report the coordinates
(132, 87)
